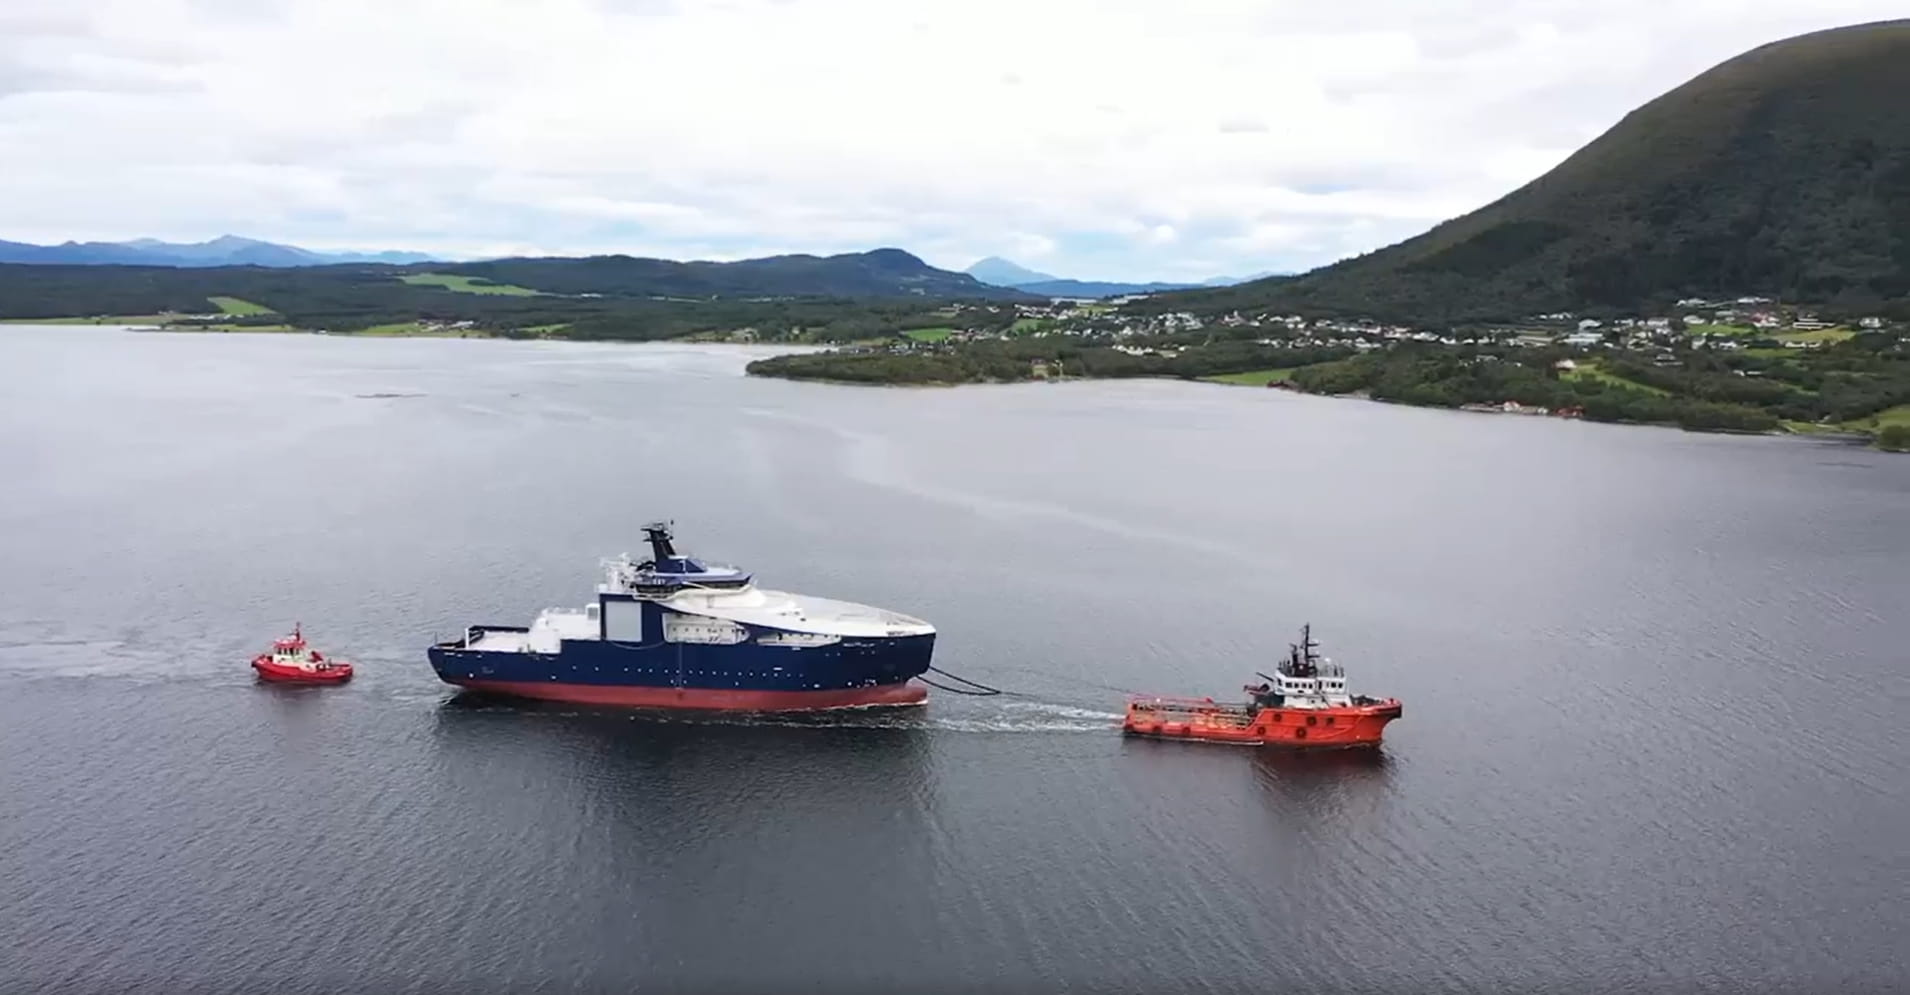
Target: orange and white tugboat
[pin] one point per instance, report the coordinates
(293, 662)
(1304, 705)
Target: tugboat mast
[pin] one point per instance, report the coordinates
(1301, 659)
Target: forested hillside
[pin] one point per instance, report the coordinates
(1783, 172)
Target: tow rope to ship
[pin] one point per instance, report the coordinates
(982, 690)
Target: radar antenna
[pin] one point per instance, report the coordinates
(661, 548)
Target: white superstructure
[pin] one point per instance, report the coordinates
(699, 604)
(1305, 679)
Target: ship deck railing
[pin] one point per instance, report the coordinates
(1191, 706)
(476, 634)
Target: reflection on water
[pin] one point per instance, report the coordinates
(1301, 767)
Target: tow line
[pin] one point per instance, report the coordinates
(979, 690)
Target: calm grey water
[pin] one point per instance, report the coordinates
(1655, 686)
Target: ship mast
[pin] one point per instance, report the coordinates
(661, 549)
(1303, 654)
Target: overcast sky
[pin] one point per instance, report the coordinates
(1117, 139)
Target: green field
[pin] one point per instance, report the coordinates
(1590, 371)
(1251, 378)
(929, 334)
(543, 330)
(1809, 428)
(1023, 326)
(1899, 415)
(1820, 335)
(466, 284)
(234, 305)
(1720, 330)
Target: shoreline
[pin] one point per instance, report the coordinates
(1826, 434)
(876, 384)
(149, 327)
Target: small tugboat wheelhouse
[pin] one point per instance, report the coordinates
(676, 632)
(1304, 706)
(291, 661)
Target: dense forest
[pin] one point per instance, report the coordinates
(1836, 385)
(878, 273)
(1015, 359)
(350, 298)
(1783, 172)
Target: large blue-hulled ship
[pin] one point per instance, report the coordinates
(676, 632)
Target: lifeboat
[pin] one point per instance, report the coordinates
(291, 661)
(1304, 705)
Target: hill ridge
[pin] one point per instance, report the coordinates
(224, 250)
(1784, 171)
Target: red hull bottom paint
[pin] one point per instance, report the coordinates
(705, 699)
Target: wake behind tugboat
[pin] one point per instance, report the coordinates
(676, 632)
(1303, 706)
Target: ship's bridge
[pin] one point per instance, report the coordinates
(667, 571)
(652, 579)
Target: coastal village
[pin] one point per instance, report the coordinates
(1734, 324)
(1676, 357)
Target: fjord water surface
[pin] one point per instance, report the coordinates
(1654, 684)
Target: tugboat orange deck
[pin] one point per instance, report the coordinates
(1304, 706)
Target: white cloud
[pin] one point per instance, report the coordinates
(1112, 139)
(1029, 245)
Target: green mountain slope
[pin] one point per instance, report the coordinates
(568, 290)
(1783, 172)
(877, 273)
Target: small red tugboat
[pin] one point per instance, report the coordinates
(1304, 706)
(293, 662)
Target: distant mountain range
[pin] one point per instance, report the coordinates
(1783, 172)
(226, 250)
(877, 273)
(1006, 273)
(651, 296)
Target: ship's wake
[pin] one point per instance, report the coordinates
(1007, 718)
(390, 675)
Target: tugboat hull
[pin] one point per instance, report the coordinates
(271, 673)
(1304, 707)
(1206, 721)
(292, 661)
